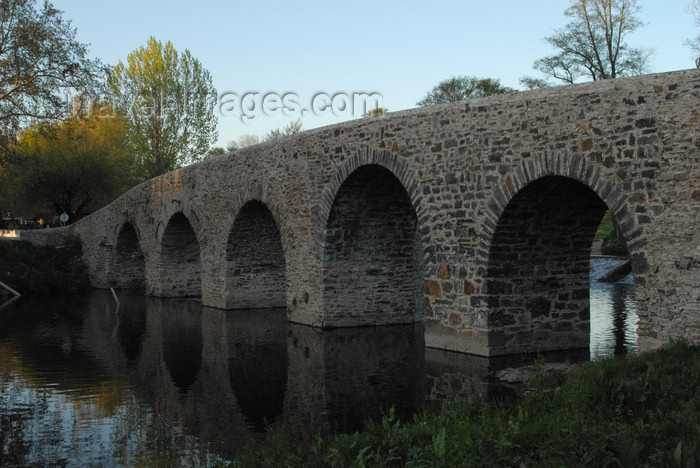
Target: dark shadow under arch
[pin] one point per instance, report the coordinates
(538, 267)
(255, 263)
(180, 269)
(129, 262)
(371, 255)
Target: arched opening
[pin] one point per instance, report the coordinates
(538, 275)
(255, 265)
(372, 256)
(613, 303)
(179, 260)
(129, 263)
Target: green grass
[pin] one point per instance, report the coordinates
(633, 411)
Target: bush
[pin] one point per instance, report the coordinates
(33, 269)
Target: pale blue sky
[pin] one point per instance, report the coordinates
(400, 49)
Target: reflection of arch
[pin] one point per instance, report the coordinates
(537, 283)
(372, 255)
(181, 331)
(258, 363)
(132, 325)
(180, 259)
(255, 272)
(129, 263)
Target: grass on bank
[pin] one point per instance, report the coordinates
(634, 411)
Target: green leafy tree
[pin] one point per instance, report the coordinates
(40, 64)
(592, 45)
(459, 88)
(168, 99)
(68, 166)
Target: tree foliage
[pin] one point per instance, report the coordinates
(459, 88)
(290, 129)
(168, 99)
(41, 63)
(68, 166)
(592, 44)
(530, 83)
(377, 111)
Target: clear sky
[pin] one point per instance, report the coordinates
(399, 49)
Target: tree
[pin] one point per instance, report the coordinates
(244, 141)
(168, 99)
(41, 64)
(216, 151)
(68, 165)
(377, 111)
(459, 88)
(694, 44)
(593, 43)
(529, 82)
(290, 129)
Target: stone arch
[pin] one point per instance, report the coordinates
(255, 260)
(129, 261)
(383, 158)
(544, 218)
(574, 167)
(179, 262)
(372, 251)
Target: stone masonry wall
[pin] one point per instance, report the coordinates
(255, 261)
(372, 270)
(633, 142)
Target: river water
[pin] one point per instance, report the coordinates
(168, 382)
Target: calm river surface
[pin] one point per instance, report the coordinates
(168, 382)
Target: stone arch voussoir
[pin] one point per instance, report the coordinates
(574, 167)
(366, 156)
(114, 236)
(264, 195)
(372, 254)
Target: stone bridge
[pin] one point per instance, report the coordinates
(476, 216)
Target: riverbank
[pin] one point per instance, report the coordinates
(31, 269)
(633, 411)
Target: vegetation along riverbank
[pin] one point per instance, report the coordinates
(32, 269)
(632, 411)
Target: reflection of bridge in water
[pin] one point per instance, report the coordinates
(224, 376)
